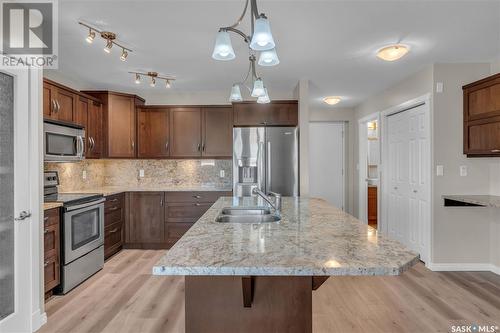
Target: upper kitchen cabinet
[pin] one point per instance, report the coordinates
(119, 123)
(482, 117)
(185, 132)
(276, 113)
(94, 130)
(153, 139)
(217, 131)
(59, 102)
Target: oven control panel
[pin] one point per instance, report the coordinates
(50, 179)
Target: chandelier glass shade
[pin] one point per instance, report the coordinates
(223, 49)
(268, 58)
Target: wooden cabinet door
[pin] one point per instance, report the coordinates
(94, 130)
(278, 113)
(217, 132)
(248, 114)
(66, 105)
(49, 93)
(153, 133)
(146, 219)
(81, 118)
(483, 138)
(283, 114)
(185, 132)
(484, 100)
(121, 126)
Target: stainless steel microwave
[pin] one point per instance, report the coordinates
(63, 142)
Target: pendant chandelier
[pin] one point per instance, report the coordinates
(260, 40)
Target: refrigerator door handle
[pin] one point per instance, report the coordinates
(268, 169)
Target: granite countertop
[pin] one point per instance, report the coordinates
(482, 200)
(50, 205)
(313, 238)
(110, 190)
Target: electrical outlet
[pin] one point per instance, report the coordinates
(141, 173)
(84, 174)
(463, 170)
(222, 173)
(439, 170)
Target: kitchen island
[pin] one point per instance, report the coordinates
(245, 277)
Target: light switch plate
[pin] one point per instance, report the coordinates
(463, 170)
(84, 174)
(141, 173)
(439, 87)
(439, 170)
(222, 173)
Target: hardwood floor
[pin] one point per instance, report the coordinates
(125, 297)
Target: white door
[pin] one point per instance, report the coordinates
(408, 187)
(326, 162)
(15, 259)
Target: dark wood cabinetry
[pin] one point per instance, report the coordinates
(59, 102)
(153, 129)
(114, 216)
(94, 130)
(51, 242)
(183, 209)
(145, 227)
(276, 113)
(372, 206)
(217, 132)
(482, 117)
(185, 131)
(119, 123)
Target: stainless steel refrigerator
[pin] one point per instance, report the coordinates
(267, 158)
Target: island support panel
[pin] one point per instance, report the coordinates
(248, 304)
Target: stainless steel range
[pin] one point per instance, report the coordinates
(82, 236)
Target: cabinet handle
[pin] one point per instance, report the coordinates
(197, 204)
(45, 218)
(46, 231)
(166, 146)
(161, 202)
(199, 146)
(133, 144)
(53, 106)
(495, 150)
(45, 264)
(197, 196)
(113, 231)
(113, 200)
(58, 108)
(113, 208)
(203, 146)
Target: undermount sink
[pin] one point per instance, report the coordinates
(246, 215)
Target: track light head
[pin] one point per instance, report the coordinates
(124, 55)
(153, 82)
(109, 45)
(137, 79)
(167, 84)
(90, 37)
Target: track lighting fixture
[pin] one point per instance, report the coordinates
(90, 37)
(109, 37)
(153, 77)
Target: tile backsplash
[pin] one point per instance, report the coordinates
(156, 173)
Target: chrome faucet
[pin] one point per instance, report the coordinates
(277, 199)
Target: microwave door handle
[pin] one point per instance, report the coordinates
(80, 146)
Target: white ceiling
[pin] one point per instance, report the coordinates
(331, 43)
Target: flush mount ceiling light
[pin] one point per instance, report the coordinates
(259, 40)
(331, 100)
(392, 52)
(109, 37)
(257, 88)
(153, 76)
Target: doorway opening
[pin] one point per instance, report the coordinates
(369, 169)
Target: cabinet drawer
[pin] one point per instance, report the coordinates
(51, 241)
(51, 273)
(205, 196)
(113, 216)
(114, 201)
(185, 211)
(174, 231)
(51, 216)
(113, 239)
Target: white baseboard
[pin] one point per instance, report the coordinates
(38, 320)
(462, 267)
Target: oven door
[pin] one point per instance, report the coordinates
(83, 229)
(63, 143)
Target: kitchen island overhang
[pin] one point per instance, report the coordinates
(242, 277)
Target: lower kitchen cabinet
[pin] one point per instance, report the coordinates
(114, 214)
(51, 250)
(145, 227)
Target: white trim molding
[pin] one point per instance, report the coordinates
(463, 267)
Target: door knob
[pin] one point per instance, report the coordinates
(415, 191)
(23, 215)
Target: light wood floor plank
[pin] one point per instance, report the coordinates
(124, 297)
